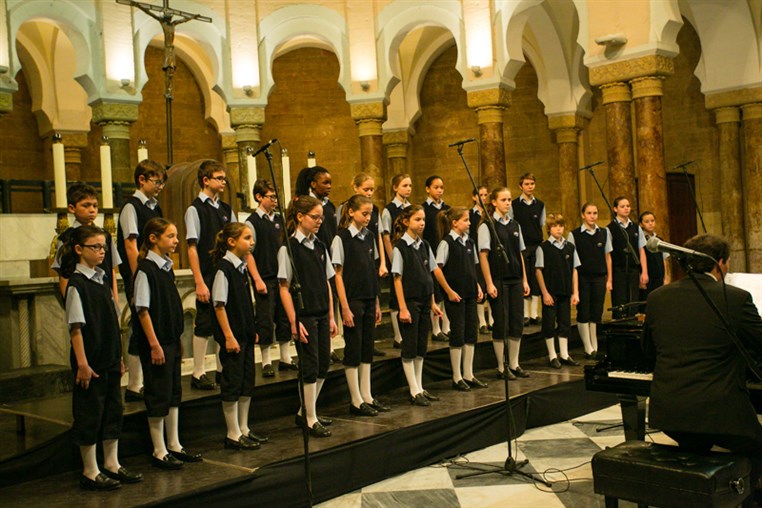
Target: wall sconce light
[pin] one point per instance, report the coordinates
(124, 83)
(617, 39)
(477, 71)
(3, 69)
(365, 86)
(248, 90)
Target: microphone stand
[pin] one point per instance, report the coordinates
(511, 466)
(296, 291)
(693, 193)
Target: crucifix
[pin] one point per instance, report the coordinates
(169, 19)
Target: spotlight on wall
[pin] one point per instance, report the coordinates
(365, 86)
(125, 82)
(477, 71)
(610, 40)
(248, 90)
(3, 69)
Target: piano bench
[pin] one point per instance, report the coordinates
(666, 476)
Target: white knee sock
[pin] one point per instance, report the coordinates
(435, 328)
(534, 306)
(526, 306)
(514, 344)
(353, 383)
(217, 356)
(480, 311)
(89, 461)
(445, 320)
(310, 398)
(230, 410)
(408, 368)
(396, 326)
(285, 352)
(594, 335)
(265, 351)
(319, 384)
(499, 347)
(199, 354)
(550, 344)
(563, 347)
(488, 308)
(156, 428)
(111, 455)
(172, 426)
(244, 403)
(365, 391)
(135, 380)
(584, 335)
(456, 355)
(468, 362)
(418, 364)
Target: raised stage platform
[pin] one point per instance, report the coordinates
(41, 467)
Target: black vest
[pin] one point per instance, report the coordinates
(528, 217)
(212, 221)
(417, 282)
(558, 269)
(239, 307)
(359, 269)
(166, 309)
(591, 252)
(144, 214)
(328, 228)
(108, 263)
(655, 262)
(508, 235)
(394, 212)
(431, 231)
(620, 253)
(474, 228)
(100, 335)
(374, 225)
(460, 269)
(310, 267)
(269, 239)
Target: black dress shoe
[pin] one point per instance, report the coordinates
(554, 364)
(380, 406)
(475, 383)
(440, 337)
(461, 386)
(429, 396)
(287, 366)
(397, 345)
(202, 383)
(123, 476)
(318, 430)
(526, 321)
(519, 372)
(169, 462)
(483, 330)
(101, 482)
(505, 375)
(267, 371)
(324, 420)
(419, 400)
(133, 396)
(243, 443)
(378, 352)
(535, 321)
(256, 437)
(335, 358)
(568, 362)
(364, 410)
(186, 456)
(592, 355)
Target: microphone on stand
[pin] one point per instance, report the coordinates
(463, 142)
(264, 147)
(655, 244)
(589, 166)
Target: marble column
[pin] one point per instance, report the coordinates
(230, 158)
(6, 103)
(490, 105)
(396, 143)
(752, 184)
(247, 123)
(652, 181)
(616, 100)
(74, 144)
(566, 129)
(728, 124)
(115, 120)
(369, 117)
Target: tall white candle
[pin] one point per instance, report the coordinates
(106, 184)
(311, 160)
(142, 151)
(251, 172)
(59, 173)
(286, 163)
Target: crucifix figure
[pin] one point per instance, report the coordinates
(169, 19)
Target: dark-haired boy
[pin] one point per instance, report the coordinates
(204, 218)
(141, 207)
(529, 212)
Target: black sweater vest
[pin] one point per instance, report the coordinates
(310, 267)
(558, 269)
(212, 221)
(269, 235)
(508, 235)
(328, 228)
(108, 263)
(359, 269)
(655, 261)
(620, 253)
(460, 269)
(591, 252)
(239, 307)
(474, 227)
(394, 212)
(144, 214)
(100, 335)
(417, 283)
(528, 217)
(431, 231)
(374, 225)
(166, 309)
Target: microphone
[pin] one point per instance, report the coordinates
(684, 164)
(463, 142)
(264, 147)
(658, 245)
(589, 166)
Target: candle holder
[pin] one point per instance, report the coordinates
(62, 219)
(109, 224)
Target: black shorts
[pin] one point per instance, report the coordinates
(237, 372)
(530, 258)
(271, 318)
(621, 282)
(162, 383)
(592, 293)
(358, 339)
(559, 313)
(415, 335)
(315, 354)
(202, 326)
(508, 310)
(97, 411)
(464, 322)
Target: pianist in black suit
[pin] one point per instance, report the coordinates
(698, 395)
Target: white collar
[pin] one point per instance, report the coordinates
(323, 201)
(434, 203)
(237, 262)
(400, 204)
(76, 224)
(260, 211)
(149, 202)
(557, 243)
(95, 274)
(414, 242)
(165, 263)
(623, 224)
(302, 238)
(354, 231)
(461, 238)
(502, 219)
(214, 201)
(521, 198)
(585, 229)
(476, 210)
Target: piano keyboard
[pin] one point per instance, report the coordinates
(626, 374)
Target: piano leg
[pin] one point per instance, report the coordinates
(633, 416)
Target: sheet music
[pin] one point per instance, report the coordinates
(751, 282)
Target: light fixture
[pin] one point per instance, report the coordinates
(365, 86)
(617, 39)
(124, 82)
(3, 69)
(477, 71)
(248, 90)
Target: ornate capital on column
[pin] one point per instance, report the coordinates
(74, 143)
(489, 104)
(114, 113)
(733, 98)
(626, 70)
(396, 143)
(727, 115)
(247, 133)
(752, 111)
(247, 119)
(649, 86)
(616, 92)
(6, 103)
(369, 117)
(566, 127)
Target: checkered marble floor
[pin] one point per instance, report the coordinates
(560, 452)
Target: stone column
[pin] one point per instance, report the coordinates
(6, 103)
(369, 117)
(74, 144)
(115, 119)
(396, 143)
(247, 123)
(731, 189)
(490, 105)
(567, 130)
(230, 157)
(752, 183)
(652, 181)
(616, 100)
